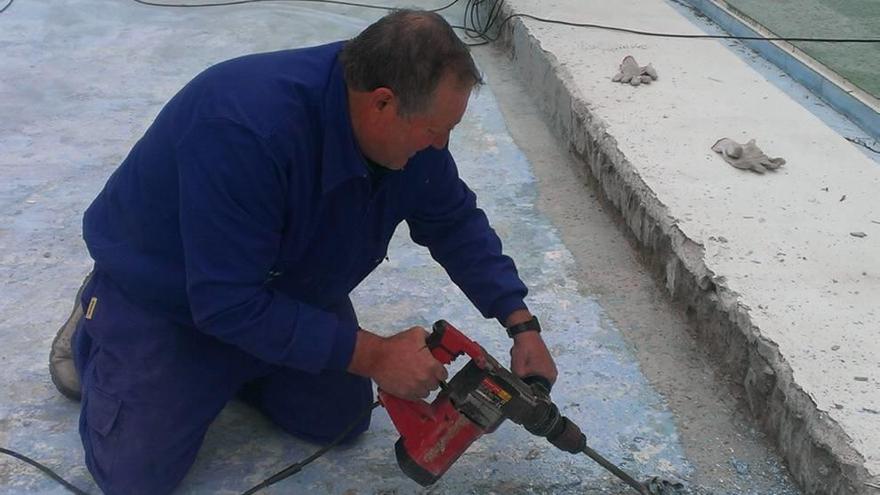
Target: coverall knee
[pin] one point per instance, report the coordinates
(152, 387)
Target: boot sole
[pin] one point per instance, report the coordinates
(73, 394)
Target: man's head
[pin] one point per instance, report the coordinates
(409, 78)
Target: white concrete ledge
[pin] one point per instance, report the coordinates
(781, 292)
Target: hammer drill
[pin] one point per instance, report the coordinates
(475, 402)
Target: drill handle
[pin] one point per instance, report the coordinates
(540, 381)
(446, 343)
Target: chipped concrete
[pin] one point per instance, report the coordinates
(787, 301)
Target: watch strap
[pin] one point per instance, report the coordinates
(531, 325)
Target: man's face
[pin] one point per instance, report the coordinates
(399, 138)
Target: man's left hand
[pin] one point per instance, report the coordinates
(530, 356)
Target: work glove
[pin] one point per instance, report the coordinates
(630, 72)
(746, 156)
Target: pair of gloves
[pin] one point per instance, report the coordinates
(742, 156)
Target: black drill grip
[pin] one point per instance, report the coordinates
(544, 383)
(436, 336)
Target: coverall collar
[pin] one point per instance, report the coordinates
(342, 158)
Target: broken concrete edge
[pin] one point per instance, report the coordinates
(819, 453)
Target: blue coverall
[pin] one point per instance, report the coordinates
(225, 247)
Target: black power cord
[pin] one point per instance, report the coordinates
(482, 30)
(275, 478)
(241, 2)
(43, 468)
(296, 467)
(475, 28)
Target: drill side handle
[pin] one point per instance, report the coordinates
(544, 383)
(446, 343)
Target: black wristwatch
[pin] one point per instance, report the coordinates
(527, 326)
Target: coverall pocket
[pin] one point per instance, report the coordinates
(101, 411)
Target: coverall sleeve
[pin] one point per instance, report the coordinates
(457, 233)
(232, 214)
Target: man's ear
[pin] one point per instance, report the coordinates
(383, 98)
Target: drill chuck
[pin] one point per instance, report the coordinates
(560, 431)
(569, 438)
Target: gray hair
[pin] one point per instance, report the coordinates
(409, 52)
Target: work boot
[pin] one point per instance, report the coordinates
(61, 366)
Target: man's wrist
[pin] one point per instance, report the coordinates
(528, 326)
(517, 317)
(364, 357)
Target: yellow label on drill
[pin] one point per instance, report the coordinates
(91, 309)
(497, 391)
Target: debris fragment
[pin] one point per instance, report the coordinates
(746, 156)
(631, 72)
(860, 378)
(741, 467)
(657, 486)
(843, 197)
(858, 234)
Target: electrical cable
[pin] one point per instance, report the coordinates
(296, 467)
(6, 6)
(275, 478)
(472, 5)
(475, 29)
(472, 12)
(241, 2)
(478, 30)
(41, 467)
(332, 2)
(692, 36)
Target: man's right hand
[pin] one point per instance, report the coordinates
(401, 364)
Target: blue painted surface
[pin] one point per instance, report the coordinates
(81, 81)
(863, 115)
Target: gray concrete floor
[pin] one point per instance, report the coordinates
(82, 79)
